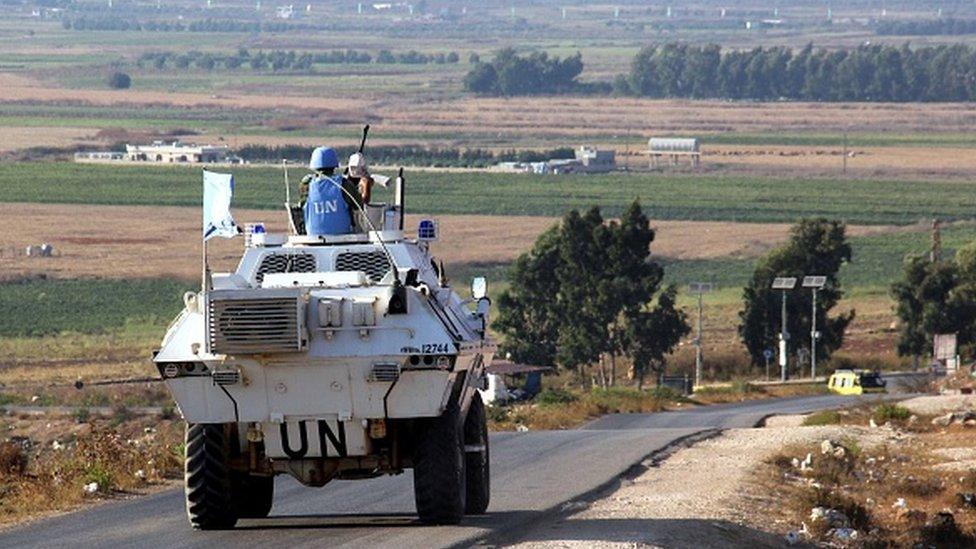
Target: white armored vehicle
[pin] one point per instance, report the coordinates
(331, 357)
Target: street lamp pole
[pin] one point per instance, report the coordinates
(701, 288)
(783, 284)
(815, 283)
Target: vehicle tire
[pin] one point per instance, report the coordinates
(209, 503)
(476, 468)
(438, 469)
(253, 495)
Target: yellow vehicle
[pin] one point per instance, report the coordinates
(856, 382)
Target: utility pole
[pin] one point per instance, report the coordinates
(783, 284)
(845, 153)
(701, 288)
(816, 282)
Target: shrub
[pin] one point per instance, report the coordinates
(13, 459)
(555, 396)
(891, 412)
(119, 81)
(100, 474)
(82, 415)
(828, 417)
(665, 393)
(168, 412)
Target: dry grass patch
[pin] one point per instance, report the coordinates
(163, 241)
(557, 408)
(893, 493)
(49, 465)
(13, 138)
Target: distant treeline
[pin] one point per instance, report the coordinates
(286, 60)
(865, 73)
(108, 23)
(537, 73)
(407, 155)
(926, 28)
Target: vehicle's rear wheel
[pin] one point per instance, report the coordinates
(209, 504)
(253, 495)
(476, 459)
(438, 469)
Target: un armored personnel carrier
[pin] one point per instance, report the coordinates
(331, 357)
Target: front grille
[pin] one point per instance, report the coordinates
(241, 326)
(285, 263)
(374, 264)
(384, 372)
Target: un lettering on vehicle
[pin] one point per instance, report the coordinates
(307, 438)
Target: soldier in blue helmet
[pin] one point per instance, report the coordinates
(328, 200)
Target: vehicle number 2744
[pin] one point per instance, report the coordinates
(428, 348)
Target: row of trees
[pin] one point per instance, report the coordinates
(866, 73)
(930, 27)
(409, 155)
(588, 293)
(286, 60)
(936, 296)
(109, 23)
(537, 73)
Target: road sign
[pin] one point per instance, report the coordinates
(817, 282)
(784, 282)
(767, 353)
(701, 287)
(944, 346)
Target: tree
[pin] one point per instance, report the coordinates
(528, 315)
(587, 293)
(815, 247)
(511, 74)
(482, 79)
(653, 334)
(936, 297)
(119, 81)
(583, 327)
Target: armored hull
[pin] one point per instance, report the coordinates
(329, 357)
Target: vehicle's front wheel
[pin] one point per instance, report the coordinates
(438, 469)
(209, 504)
(253, 495)
(476, 459)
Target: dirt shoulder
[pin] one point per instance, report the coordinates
(701, 496)
(894, 475)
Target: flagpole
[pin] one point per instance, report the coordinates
(204, 267)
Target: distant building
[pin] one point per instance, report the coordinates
(587, 160)
(176, 152)
(165, 153)
(594, 160)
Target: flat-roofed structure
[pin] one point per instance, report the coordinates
(672, 149)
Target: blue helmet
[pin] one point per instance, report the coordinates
(322, 158)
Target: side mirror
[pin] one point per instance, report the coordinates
(479, 288)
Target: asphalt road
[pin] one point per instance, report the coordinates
(534, 475)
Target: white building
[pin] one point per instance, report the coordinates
(165, 153)
(176, 152)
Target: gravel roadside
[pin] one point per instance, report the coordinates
(701, 496)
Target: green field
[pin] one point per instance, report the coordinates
(691, 197)
(876, 261)
(33, 308)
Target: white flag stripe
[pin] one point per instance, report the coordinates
(218, 189)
